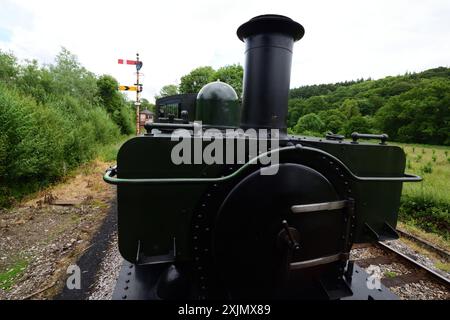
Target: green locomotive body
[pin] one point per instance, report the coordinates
(219, 222)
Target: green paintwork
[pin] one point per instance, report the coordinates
(218, 105)
(160, 210)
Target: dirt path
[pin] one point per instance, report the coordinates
(44, 235)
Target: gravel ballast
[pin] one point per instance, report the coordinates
(108, 273)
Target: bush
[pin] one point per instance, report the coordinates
(115, 104)
(46, 128)
(39, 143)
(427, 214)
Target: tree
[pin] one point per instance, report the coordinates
(309, 123)
(419, 115)
(35, 81)
(232, 75)
(53, 118)
(334, 120)
(69, 77)
(145, 104)
(357, 124)
(8, 67)
(115, 103)
(315, 104)
(295, 111)
(167, 90)
(350, 108)
(196, 79)
(107, 88)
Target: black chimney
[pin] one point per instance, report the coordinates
(269, 40)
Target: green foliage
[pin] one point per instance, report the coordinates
(232, 75)
(12, 274)
(35, 81)
(427, 168)
(8, 67)
(318, 90)
(334, 120)
(426, 204)
(52, 119)
(168, 90)
(427, 214)
(409, 108)
(314, 104)
(357, 124)
(33, 138)
(420, 114)
(295, 111)
(390, 274)
(196, 79)
(108, 152)
(145, 104)
(436, 175)
(309, 123)
(115, 104)
(350, 108)
(69, 77)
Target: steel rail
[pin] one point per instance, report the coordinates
(429, 246)
(436, 275)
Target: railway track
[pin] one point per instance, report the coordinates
(425, 244)
(401, 273)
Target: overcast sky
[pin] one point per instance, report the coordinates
(344, 40)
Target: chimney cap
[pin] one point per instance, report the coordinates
(271, 23)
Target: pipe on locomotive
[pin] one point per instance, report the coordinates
(269, 41)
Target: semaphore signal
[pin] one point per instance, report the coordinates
(137, 62)
(130, 88)
(137, 87)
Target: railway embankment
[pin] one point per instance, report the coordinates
(46, 234)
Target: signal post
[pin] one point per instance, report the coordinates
(137, 86)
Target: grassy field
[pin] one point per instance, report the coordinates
(427, 204)
(433, 164)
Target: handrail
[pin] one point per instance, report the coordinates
(111, 172)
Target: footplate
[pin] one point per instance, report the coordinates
(139, 283)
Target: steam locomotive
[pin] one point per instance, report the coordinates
(218, 201)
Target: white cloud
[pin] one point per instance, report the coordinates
(344, 40)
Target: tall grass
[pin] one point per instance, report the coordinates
(431, 163)
(427, 204)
